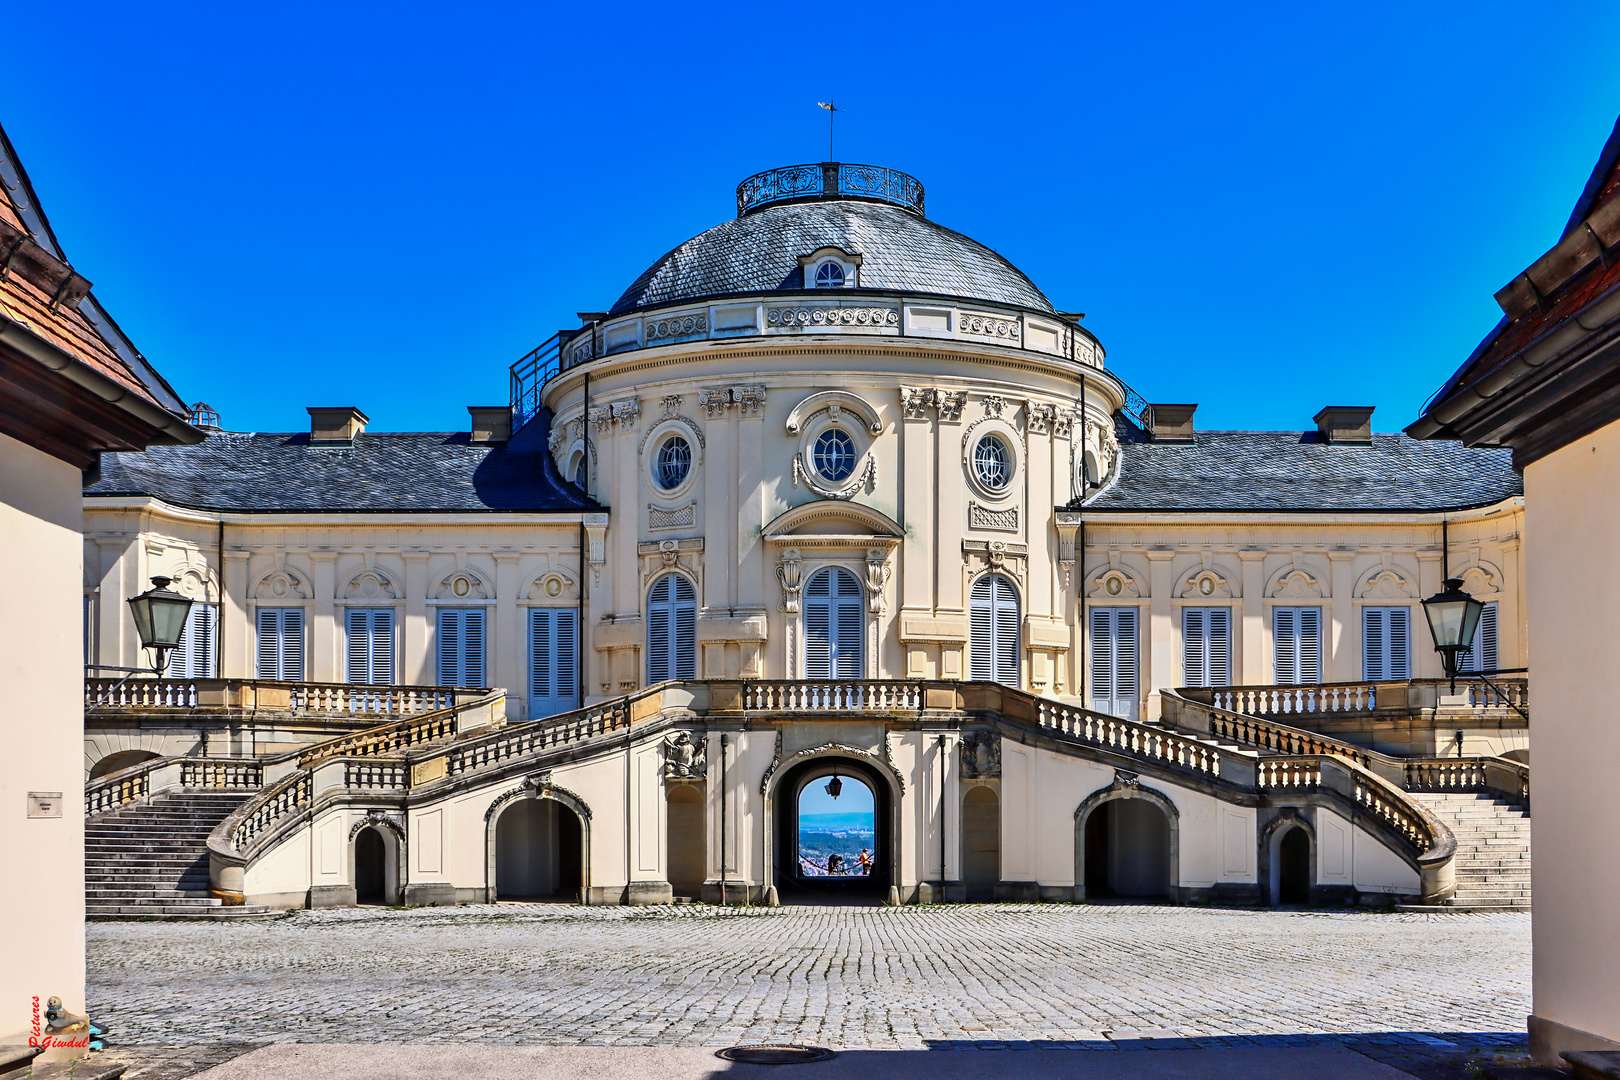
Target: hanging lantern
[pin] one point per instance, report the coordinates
(835, 786)
(160, 618)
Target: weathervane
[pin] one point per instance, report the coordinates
(831, 109)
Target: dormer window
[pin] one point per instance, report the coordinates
(829, 275)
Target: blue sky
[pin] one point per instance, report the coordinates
(853, 798)
(1261, 208)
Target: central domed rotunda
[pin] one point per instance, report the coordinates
(787, 214)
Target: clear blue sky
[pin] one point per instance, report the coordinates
(1262, 209)
(853, 798)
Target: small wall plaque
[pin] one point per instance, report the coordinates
(44, 804)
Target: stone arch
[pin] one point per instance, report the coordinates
(370, 584)
(392, 834)
(119, 760)
(281, 584)
(1385, 583)
(1268, 861)
(888, 802)
(538, 787)
(836, 517)
(1295, 582)
(835, 401)
(1127, 786)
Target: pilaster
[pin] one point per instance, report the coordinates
(1162, 636)
(1252, 613)
(235, 660)
(507, 656)
(325, 638)
(1344, 627)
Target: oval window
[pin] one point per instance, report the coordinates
(674, 462)
(834, 454)
(830, 276)
(992, 462)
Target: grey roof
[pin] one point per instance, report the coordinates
(1294, 471)
(900, 251)
(382, 473)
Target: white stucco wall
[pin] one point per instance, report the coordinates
(42, 685)
(1572, 529)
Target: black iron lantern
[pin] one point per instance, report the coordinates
(835, 786)
(160, 618)
(1453, 616)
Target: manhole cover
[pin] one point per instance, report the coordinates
(774, 1054)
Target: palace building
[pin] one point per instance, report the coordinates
(831, 491)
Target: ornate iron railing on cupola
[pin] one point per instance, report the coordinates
(830, 180)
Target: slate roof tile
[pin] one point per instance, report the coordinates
(1284, 471)
(900, 252)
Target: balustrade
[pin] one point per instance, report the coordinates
(1278, 738)
(315, 699)
(119, 789)
(538, 735)
(221, 773)
(1318, 698)
(841, 696)
(374, 776)
(1289, 774)
(292, 794)
(140, 693)
(1128, 737)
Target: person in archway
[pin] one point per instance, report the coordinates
(866, 861)
(835, 863)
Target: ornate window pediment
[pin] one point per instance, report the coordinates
(370, 584)
(1295, 583)
(1205, 584)
(462, 585)
(1114, 584)
(1386, 583)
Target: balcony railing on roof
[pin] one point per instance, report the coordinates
(830, 180)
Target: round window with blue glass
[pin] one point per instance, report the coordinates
(834, 454)
(673, 463)
(993, 462)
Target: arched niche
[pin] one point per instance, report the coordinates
(1126, 787)
(535, 789)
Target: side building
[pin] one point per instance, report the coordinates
(71, 388)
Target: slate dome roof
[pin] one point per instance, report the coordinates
(901, 252)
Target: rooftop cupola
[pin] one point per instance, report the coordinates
(828, 181)
(1345, 425)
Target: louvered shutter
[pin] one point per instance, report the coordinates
(371, 645)
(1386, 643)
(1482, 655)
(993, 630)
(1297, 632)
(671, 630)
(281, 644)
(1114, 661)
(1285, 633)
(1206, 635)
(553, 656)
(834, 629)
(461, 646)
(193, 658)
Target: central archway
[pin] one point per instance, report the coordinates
(802, 874)
(539, 848)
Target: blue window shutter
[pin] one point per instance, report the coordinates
(1310, 645)
(1194, 647)
(671, 630)
(566, 649)
(1285, 635)
(370, 645)
(981, 633)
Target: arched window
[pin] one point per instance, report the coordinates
(830, 276)
(833, 626)
(993, 627)
(671, 630)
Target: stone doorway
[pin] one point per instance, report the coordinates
(688, 849)
(1294, 867)
(370, 868)
(802, 804)
(981, 843)
(1127, 851)
(538, 852)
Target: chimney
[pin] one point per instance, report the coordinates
(491, 423)
(335, 425)
(1346, 425)
(1171, 423)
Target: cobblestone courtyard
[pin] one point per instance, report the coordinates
(842, 977)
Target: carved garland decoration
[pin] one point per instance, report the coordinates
(537, 786)
(865, 477)
(374, 820)
(826, 748)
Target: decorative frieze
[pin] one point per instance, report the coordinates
(678, 326)
(671, 404)
(994, 404)
(1042, 417)
(602, 418)
(983, 517)
(915, 400)
(747, 400)
(950, 403)
(990, 327)
(810, 317)
(627, 413)
(866, 477)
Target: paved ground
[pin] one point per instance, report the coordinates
(906, 978)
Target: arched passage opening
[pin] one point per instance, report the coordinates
(1287, 867)
(688, 849)
(370, 867)
(539, 852)
(981, 843)
(833, 848)
(1127, 852)
(123, 759)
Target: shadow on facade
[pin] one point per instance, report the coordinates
(538, 852)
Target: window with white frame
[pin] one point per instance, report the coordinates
(1206, 646)
(370, 642)
(1482, 654)
(193, 658)
(829, 275)
(1386, 643)
(671, 630)
(834, 626)
(280, 653)
(553, 661)
(461, 646)
(993, 631)
(1114, 661)
(1297, 638)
